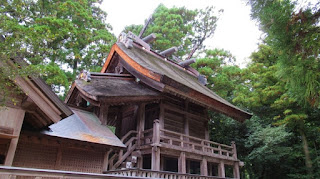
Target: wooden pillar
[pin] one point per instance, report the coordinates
(155, 158)
(103, 114)
(119, 122)
(106, 160)
(161, 115)
(140, 162)
(236, 171)
(162, 163)
(206, 131)
(209, 169)
(221, 170)
(12, 118)
(141, 121)
(186, 120)
(204, 167)
(234, 150)
(182, 163)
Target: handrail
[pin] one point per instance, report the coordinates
(128, 134)
(147, 131)
(196, 144)
(195, 138)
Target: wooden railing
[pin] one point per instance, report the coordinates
(192, 144)
(146, 137)
(158, 174)
(130, 142)
(31, 173)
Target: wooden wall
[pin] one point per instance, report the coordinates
(49, 153)
(178, 112)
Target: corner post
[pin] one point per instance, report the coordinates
(234, 150)
(236, 171)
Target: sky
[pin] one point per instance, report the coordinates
(235, 31)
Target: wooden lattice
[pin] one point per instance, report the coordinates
(35, 155)
(81, 160)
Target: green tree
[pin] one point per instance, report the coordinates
(179, 27)
(55, 35)
(294, 36)
(268, 97)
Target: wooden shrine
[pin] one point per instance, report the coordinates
(142, 116)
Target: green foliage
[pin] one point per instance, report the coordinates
(221, 76)
(294, 36)
(70, 34)
(179, 27)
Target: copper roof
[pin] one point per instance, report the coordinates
(84, 126)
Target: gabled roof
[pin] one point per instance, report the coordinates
(166, 76)
(39, 93)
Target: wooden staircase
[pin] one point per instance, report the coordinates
(126, 158)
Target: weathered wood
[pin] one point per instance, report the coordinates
(186, 120)
(18, 172)
(155, 157)
(236, 171)
(161, 115)
(169, 51)
(206, 131)
(182, 163)
(103, 114)
(150, 38)
(234, 150)
(12, 118)
(204, 167)
(141, 121)
(183, 112)
(221, 170)
(106, 160)
(42, 102)
(58, 158)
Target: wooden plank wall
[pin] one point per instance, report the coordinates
(175, 113)
(46, 153)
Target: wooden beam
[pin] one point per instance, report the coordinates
(107, 62)
(13, 118)
(41, 101)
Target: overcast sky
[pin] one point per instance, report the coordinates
(235, 31)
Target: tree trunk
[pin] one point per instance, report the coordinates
(306, 151)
